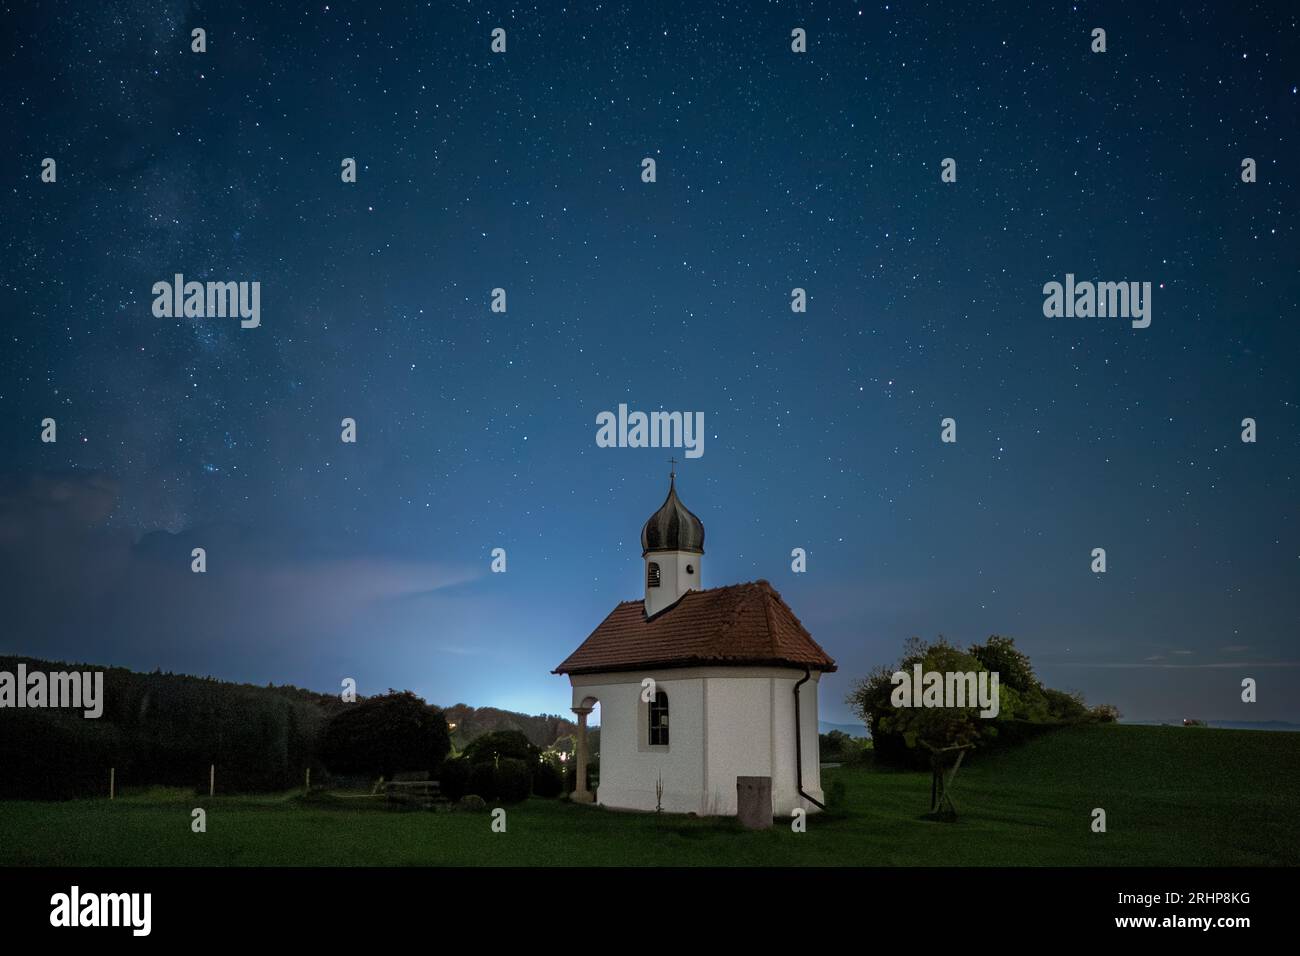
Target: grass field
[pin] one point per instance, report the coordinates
(1173, 796)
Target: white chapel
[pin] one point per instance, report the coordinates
(734, 690)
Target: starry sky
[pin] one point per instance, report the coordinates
(476, 430)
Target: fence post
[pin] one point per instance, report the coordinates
(112, 782)
(212, 779)
(309, 779)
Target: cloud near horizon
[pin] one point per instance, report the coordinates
(79, 587)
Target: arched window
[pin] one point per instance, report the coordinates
(652, 575)
(659, 720)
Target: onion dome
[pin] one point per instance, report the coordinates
(673, 527)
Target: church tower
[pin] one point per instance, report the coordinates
(672, 545)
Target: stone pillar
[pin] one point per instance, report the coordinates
(754, 802)
(580, 792)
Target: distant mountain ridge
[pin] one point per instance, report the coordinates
(853, 730)
(1281, 725)
(467, 723)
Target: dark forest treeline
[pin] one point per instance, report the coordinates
(161, 728)
(167, 729)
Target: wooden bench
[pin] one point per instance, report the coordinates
(412, 790)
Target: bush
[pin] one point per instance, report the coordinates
(1064, 706)
(831, 745)
(571, 774)
(501, 744)
(547, 781)
(513, 780)
(472, 802)
(1105, 713)
(482, 780)
(453, 779)
(861, 753)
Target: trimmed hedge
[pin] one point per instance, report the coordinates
(513, 780)
(482, 781)
(547, 781)
(453, 779)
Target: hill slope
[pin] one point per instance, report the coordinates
(1173, 796)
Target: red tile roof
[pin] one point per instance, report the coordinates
(735, 625)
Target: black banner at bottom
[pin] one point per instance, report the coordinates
(337, 905)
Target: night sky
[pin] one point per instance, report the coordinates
(476, 430)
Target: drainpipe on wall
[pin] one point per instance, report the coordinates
(798, 741)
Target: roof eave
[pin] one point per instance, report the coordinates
(696, 662)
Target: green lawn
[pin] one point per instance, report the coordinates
(1172, 796)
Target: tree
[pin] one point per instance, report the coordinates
(937, 728)
(870, 701)
(1105, 713)
(392, 733)
(908, 735)
(1001, 656)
